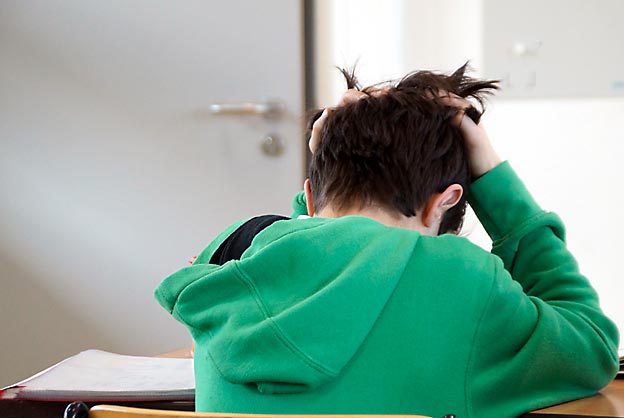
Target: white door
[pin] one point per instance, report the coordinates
(114, 171)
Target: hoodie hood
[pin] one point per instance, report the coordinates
(292, 312)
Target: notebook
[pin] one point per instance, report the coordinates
(100, 376)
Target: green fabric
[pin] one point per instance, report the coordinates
(349, 316)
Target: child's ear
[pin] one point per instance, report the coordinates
(451, 196)
(308, 195)
(439, 203)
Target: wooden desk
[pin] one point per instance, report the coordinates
(609, 403)
(186, 352)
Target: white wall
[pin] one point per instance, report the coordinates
(384, 39)
(76, 227)
(112, 171)
(361, 33)
(566, 150)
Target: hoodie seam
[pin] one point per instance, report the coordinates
(292, 347)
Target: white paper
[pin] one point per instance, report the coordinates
(99, 375)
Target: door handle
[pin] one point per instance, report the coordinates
(270, 109)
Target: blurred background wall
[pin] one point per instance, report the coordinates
(114, 171)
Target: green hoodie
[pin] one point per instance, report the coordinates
(350, 316)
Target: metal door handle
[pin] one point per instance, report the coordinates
(270, 109)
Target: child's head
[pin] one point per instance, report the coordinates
(396, 147)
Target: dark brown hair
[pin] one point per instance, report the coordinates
(397, 147)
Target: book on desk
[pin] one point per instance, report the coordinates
(100, 376)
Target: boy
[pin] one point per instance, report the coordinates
(366, 302)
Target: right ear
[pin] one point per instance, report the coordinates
(308, 195)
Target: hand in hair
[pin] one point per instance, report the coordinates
(402, 145)
(481, 153)
(349, 96)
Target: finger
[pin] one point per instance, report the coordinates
(351, 96)
(464, 107)
(469, 130)
(316, 130)
(379, 91)
(470, 112)
(458, 119)
(453, 100)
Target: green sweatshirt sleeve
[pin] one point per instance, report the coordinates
(168, 291)
(299, 205)
(547, 340)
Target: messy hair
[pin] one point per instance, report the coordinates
(396, 147)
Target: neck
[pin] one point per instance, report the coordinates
(381, 215)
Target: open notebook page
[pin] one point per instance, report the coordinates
(95, 375)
